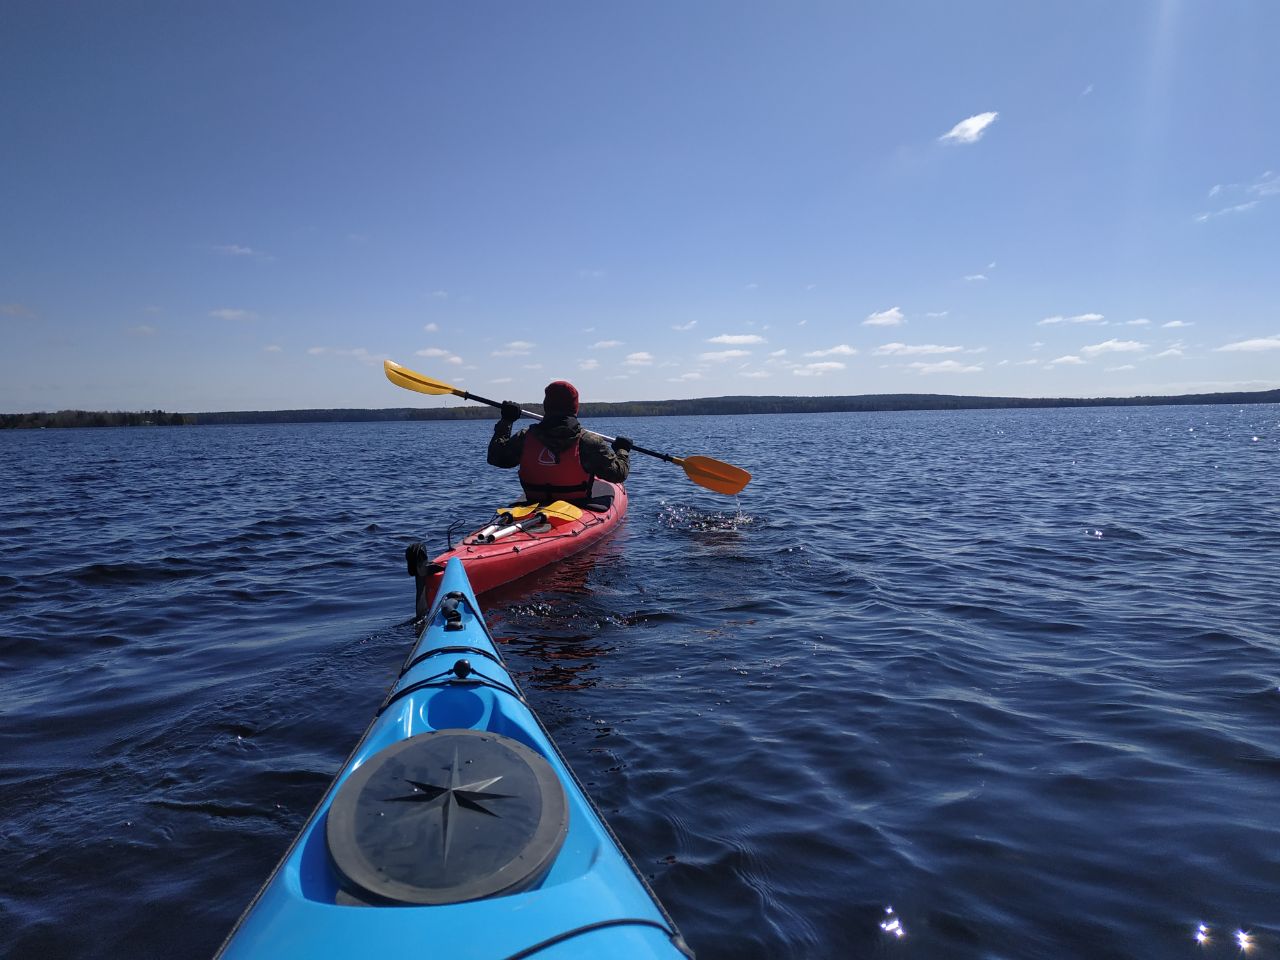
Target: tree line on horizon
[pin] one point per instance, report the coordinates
(706, 406)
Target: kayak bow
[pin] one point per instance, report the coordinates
(455, 830)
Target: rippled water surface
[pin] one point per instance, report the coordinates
(1006, 683)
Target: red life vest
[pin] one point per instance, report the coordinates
(547, 476)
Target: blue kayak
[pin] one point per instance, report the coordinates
(455, 830)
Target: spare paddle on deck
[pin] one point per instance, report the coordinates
(704, 471)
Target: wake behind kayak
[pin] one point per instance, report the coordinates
(456, 829)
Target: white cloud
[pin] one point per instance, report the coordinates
(1087, 90)
(1068, 360)
(909, 350)
(974, 277)
(437, 352)
(755, 374)
(501, 380)
(938, 314)
(516, 348)
(1027, 363)
(779, 353)
(1250, 346)
(1126, 366)
(685, 326)
(719, 356)
(818, 369)
(530, 366)
(226, 313)
(1171, 352)
(971, 129)
(839, 350)
(1113, 346)
(737, 338)
(440, 294)
(885, 318)
(685, 377)
(1176, 324)
(639, 359)
(944, 366)
(1078, 318)
(605, 344)
(432, 328)
(360, 353)
(273, 348)
(1140, 322)
(589, 364)
(236, 250)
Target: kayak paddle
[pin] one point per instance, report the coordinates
(704, 471)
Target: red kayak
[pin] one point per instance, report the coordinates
(523, 538)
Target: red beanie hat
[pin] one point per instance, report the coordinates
(561, 397)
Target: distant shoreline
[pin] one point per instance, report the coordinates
(709, 406)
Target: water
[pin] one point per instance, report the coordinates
(1005, 681)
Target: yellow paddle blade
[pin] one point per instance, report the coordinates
(558, 509)
(419, 383)
(715, 474)
(562, 510)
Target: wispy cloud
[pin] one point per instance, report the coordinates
(605, 344)
(591, 364)
(1087, 90)
(501, 380)
(1247, 196)
(937, 314)
(685, 377)
(440, 294)
(516, 348)
(142, 330)
(944, 366)
(272, 348)
(737, 338)
(885, 318)
(1250, 346)
(227, 313)
(359, 353)
(1124, 366)
(446, 355)
(720, 356)
(587, 274)
(755, 374)
(975, 277)
(1069, 360)
(432, 328)
(779, 353)
(1174, 351)
(1140, 322)
(971, 129)
(1113, 346)
(639, 359)
(839, 350)
(818, 369)
(685, 326)
(912, 350)
(1078, 318)
(237, 250)
(1176, 324)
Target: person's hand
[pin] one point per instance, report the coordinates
(622, 444)
(511, 411)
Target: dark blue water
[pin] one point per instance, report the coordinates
(1010, 679)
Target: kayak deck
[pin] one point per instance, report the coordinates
(492, 564)
(576, 895)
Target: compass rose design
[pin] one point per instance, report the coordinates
(453, 797)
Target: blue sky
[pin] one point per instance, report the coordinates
(248, 205)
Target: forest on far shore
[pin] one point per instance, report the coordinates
(708, 406)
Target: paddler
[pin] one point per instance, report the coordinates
(558, 460)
